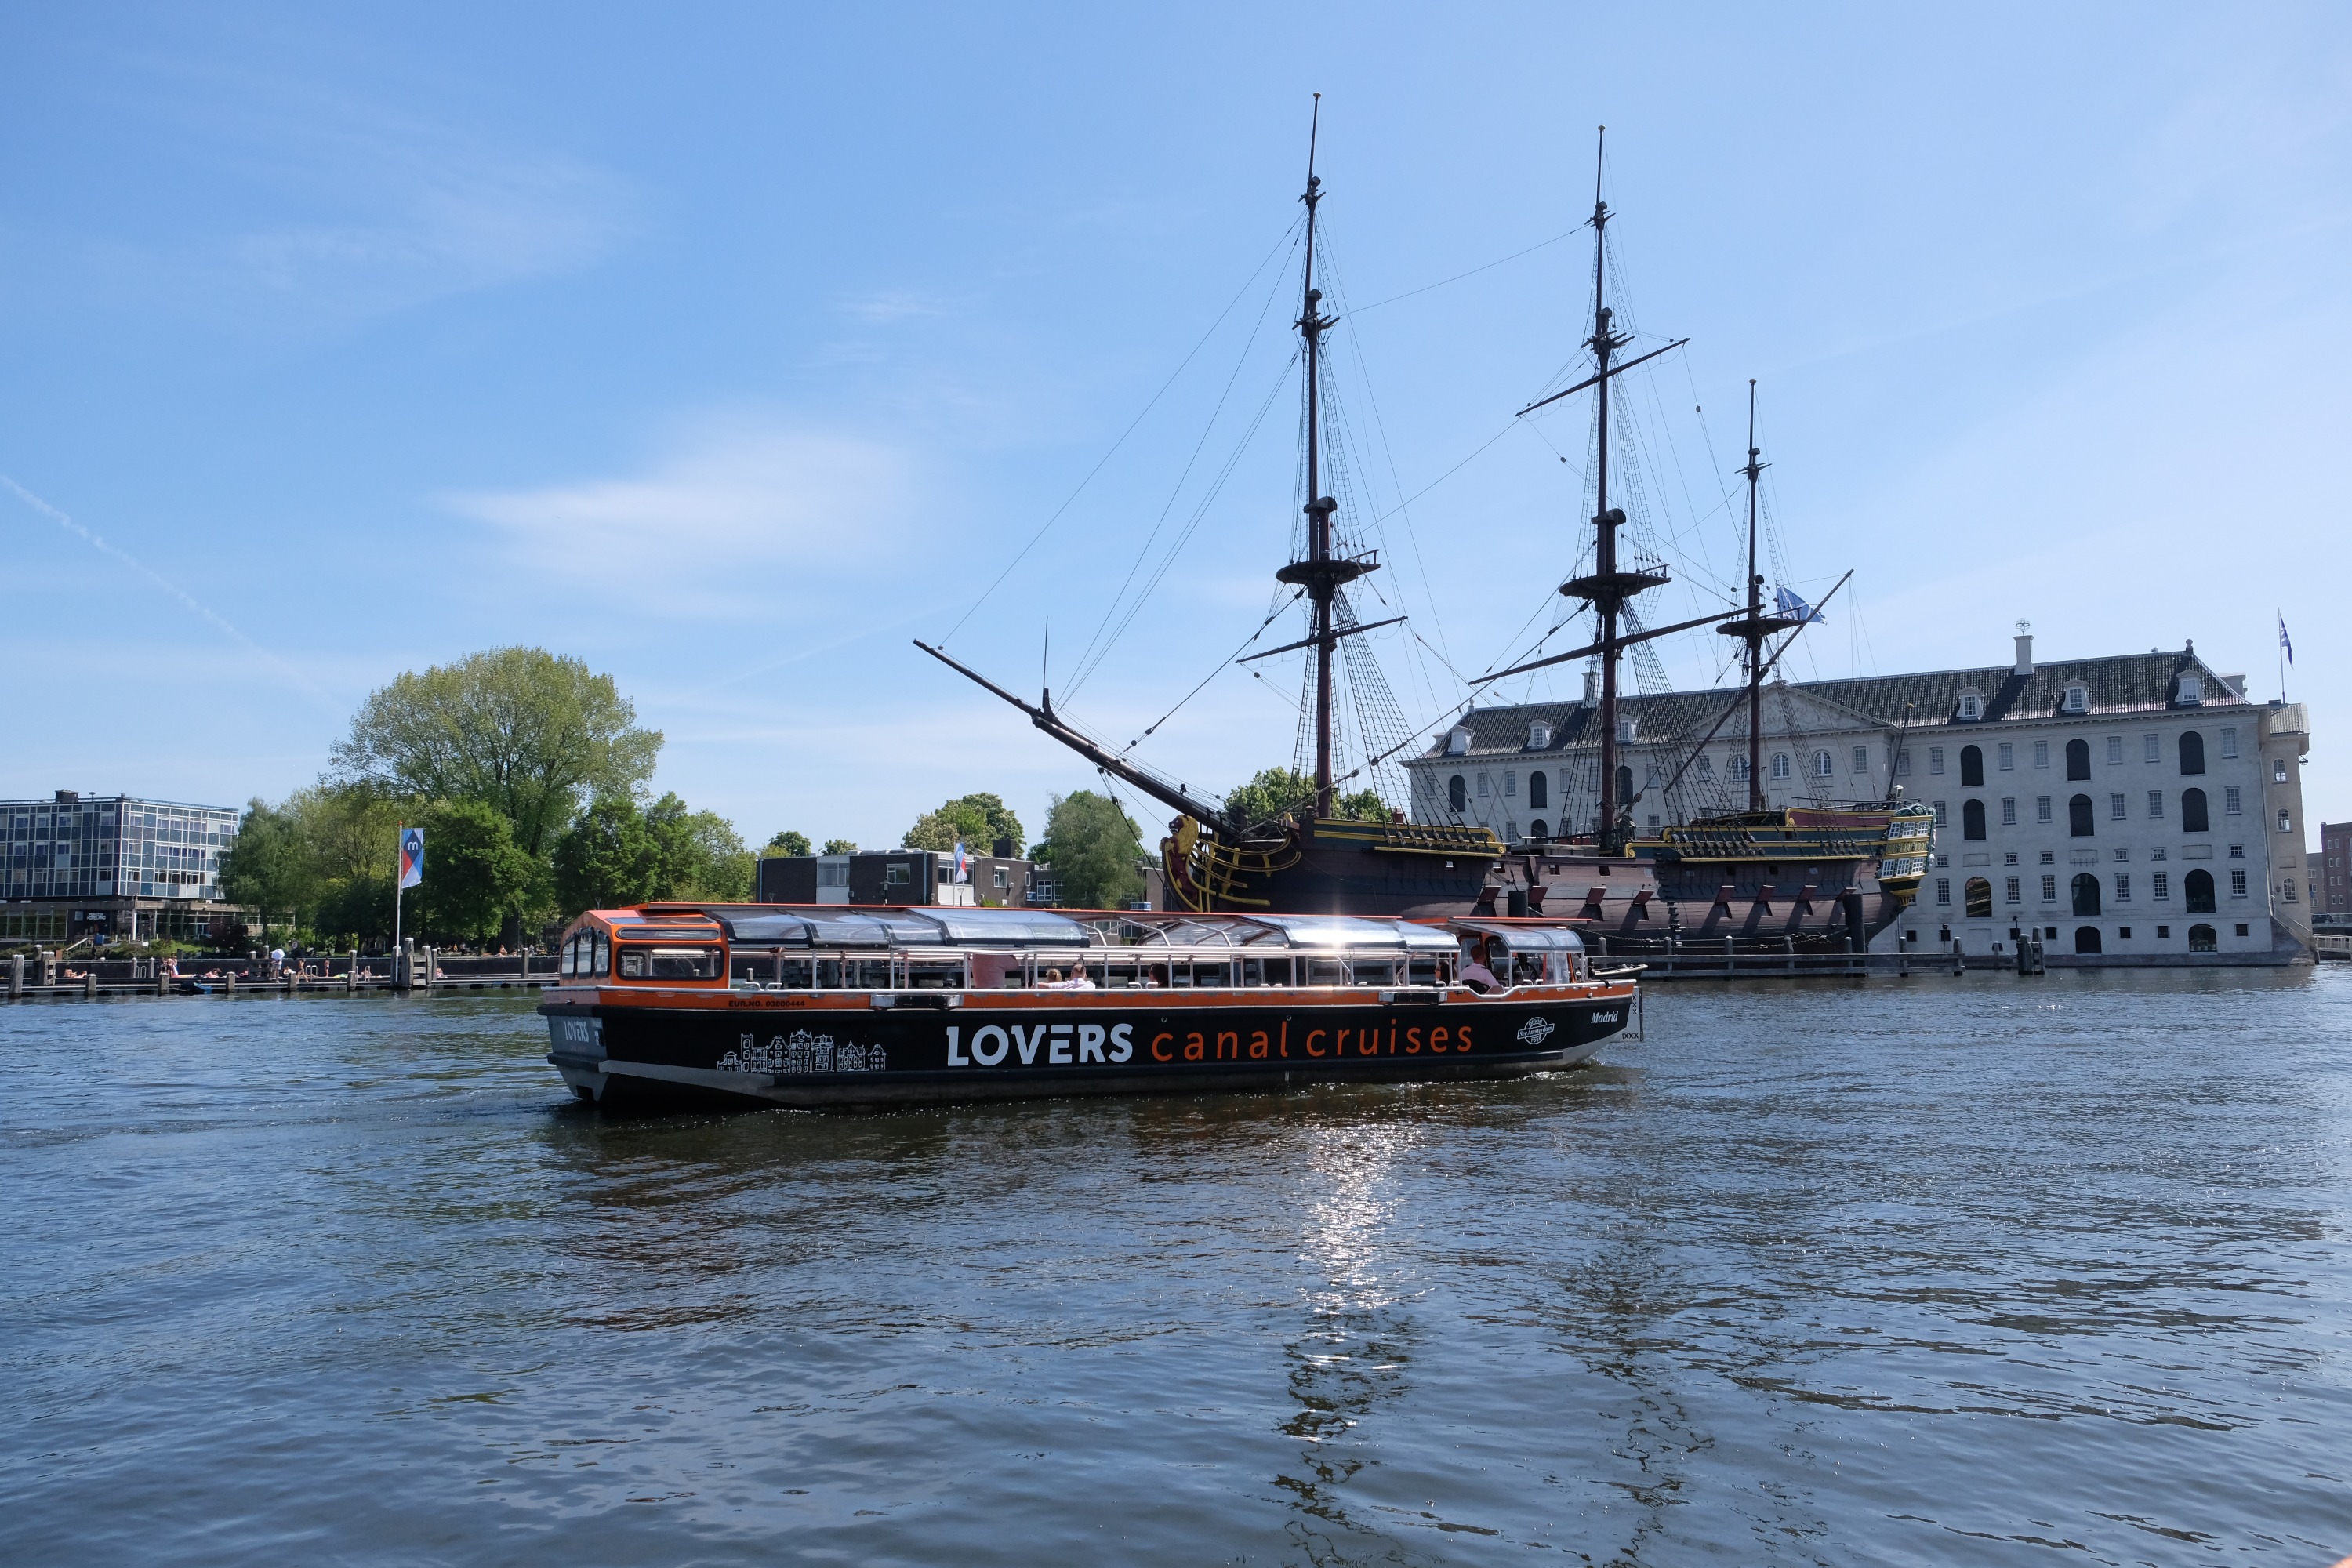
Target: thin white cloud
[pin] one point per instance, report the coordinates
(893, 305)
(731, 516)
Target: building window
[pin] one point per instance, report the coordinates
(1823, 764)
(2285, 822)
(2123, 887)
(2289, 889)
(1458, 794)
(1511, 784)
(2041, 808)
(897, 874)
(1977, 895)
(2229, 741)
(1779, 764)
(2008, 811)
(2049, 889)
(1458, 740)
(1625, 727)
(2155, 806)
(1971, 767)
(2192, 688)
(2010, 890)
(2237, 881)
(1540, 788)
(2151, 749)
(2197, 892)
(1935, 759)
(1903, 763)
(2079, 823)
(2192, 752)
(2193, 812)
(2115, 804)
(1485, 786)
(1944, 890)
(1737, 771)
(1862, 759)
(2237, 851)
(2114, 750)
(1538, 735)
(2078, 760)
(2086, 893)
(2278, 770)
(1972, 705)
(1939, 814)
(2078, 698)
(1972, 819)
(2041, 753)
(2008, 756)
(2203, 939)
(2160, 884)
(2233, 801)
(1706, 766)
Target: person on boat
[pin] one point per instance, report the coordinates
(1475, 972)
(1079, 980)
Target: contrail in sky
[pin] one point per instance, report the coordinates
(64, 521)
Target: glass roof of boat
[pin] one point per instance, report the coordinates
(1523, 938)
(762, 925)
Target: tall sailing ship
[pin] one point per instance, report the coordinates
(1819, 876)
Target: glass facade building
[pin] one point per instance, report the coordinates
(73, 850)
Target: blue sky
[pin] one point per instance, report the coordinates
(730, 348)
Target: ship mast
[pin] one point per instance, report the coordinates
(1320, 572)
(1755, 627)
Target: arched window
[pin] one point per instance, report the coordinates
(2192, 752)
(2289, 889)
(2192, 811)
(1458, 794)
(1972, 767)
(2086, 939)
(2198, 888)
(1624, 787)
(2278, 770)
(1739, 769)
(1972, 821)
(1779, 764)
(1979, 893)
(1539, 790)
(1821, 765)
(1535, 830)
(2078, 760)
(2079, 817)
(2202, 939)
(2086, 893)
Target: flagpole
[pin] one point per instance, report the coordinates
(399, 840)
(2282, 653)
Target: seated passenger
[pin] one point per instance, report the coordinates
(1079, 980)
(1475, 972)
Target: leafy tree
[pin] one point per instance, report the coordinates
(839, 846)
(1094, 849)
(265, 867)
(702, 857)
(475, 874)
(978, 820)
(788, 843)
(1276, 792)
(524, 732)
(608, 859)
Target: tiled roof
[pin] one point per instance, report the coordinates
(2121, 683)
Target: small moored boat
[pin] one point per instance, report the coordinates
(832, 1005)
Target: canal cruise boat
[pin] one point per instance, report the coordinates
(815, 1007)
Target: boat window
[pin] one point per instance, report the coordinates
(604, 964)
(1374, 972)
(868, 973)
(642, 963)
(933, 973)
(1210, 974)
(1423, 972)
(794, 974)
(1326, 972)
(1527, 968)
(570, 963)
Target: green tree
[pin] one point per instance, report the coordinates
(788, 843)
(1276, 792)
(978, 820)
(524, 732)
(1096, 851)
(267, 867)
(608, 859)
(475, 875)
(839, 846)
(703, 856)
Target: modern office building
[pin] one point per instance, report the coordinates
(2131, 808)
(114, 867)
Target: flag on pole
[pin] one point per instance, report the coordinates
(2285, 641)
(411, 857)
(961, 873)
(1796, 609)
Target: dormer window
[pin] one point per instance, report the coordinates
(1539, 736)
(1458, 740)
(1625, 727)
(2192, 690)
(1972, 705)
(2078, 698)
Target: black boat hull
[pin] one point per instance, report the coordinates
(765, 1052)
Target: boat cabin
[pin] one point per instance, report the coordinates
(770, 947)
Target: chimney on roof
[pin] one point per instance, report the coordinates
(1592, 688)
(2024, 649)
